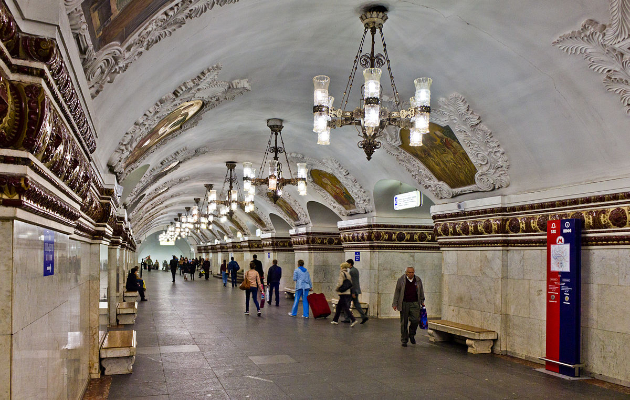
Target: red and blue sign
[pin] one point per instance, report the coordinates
(563, 295)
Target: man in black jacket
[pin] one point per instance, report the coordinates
(174, 267)
(408, 299)
(273, 279)
(355, 291)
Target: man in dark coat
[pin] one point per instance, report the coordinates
(233, 268)
(206, 268)
(174, 267)
(408, 298)
(355, 291)
(273, 279)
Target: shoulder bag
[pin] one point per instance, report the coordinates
(245, 284)
(345, 285)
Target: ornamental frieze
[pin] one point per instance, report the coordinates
(389, 237)
(316, 241)
(276, 244)
(25, 47)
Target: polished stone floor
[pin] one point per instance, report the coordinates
(196, 343)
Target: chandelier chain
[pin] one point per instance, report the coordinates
(286, 158)
(389, 69)
(262, 166)
(346, 93)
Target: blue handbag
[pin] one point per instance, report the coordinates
(424, 323)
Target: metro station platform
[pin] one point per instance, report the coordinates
(194, 342)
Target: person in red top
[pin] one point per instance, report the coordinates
(408, 298)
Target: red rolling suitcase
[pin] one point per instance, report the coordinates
(319, 305)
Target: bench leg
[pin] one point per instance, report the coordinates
(479, 346)
(118, 365)
(437, 336)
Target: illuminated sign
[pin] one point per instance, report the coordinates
(407, 200)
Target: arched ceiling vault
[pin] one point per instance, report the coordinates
(549, 115)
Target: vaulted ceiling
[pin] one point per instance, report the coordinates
(530, 115)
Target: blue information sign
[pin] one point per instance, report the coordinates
(268, 255)
(357, 256)
(49, 252)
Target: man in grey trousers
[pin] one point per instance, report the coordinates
(355, 291)
(408, 298)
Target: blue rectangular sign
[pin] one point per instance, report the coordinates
(268, 255)
(357, 256)
(49, 252)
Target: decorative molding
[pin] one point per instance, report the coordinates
(483, 149)
(303, 218)
(113, 59)
(278, 245)
(240, 225)
(606, 48)
(362, 198)
(316, 241)
(35, 50)
(156, 173)
(153, 198)
(389, 237)
(205, 87)
(606, 220)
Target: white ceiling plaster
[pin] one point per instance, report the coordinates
(553, 118)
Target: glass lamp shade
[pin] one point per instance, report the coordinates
(178, 224)
(204, 225)
(301, 187)
(372, 85)
(320, 121)
(323, 137)
(212, 207)
(233, 195)
(371, 116)
(210, 218)
(423, 91)
(252, 190)
(212, 195)
(273, 182)
(247, 184)
(247, 170)
(203, 219)
(421, 122)
(415, 137)
(301, 170)
(184, 219)
(249, 198)
(233, 205)
(223, 219)
(320, 96)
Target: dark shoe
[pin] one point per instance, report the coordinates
(346, 321)
(364, 320)
(404, 345)
(143, 300)
(259, 313)
(277, 305)
(412, 339)
(269, 302)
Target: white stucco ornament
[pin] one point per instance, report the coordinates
(606, 48)
(484, 150)
(363, 200)
(113, 59)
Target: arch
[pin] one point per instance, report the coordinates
(151, 246)
(384, 192)
(321, 216)
(132, 180)
(279, 224)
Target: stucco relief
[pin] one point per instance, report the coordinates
(102, 67)
(167, 165)
(363, 200)
(605, 47)
(153, 197)
(302, 215)
(206, 87)
(483, 149)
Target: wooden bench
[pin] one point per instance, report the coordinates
(478, 340)
(118, 352)
(354, 311)
(131, 296)
(126, 312)
(289, 293)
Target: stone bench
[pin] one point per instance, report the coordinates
(478, 340)
(131, 296)
(289, 293)
(126, 312)
(354, 311)
(118, 352)
(103, 313)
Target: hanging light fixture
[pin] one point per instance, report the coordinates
(370, 118)
(274, 180)
(226, 207)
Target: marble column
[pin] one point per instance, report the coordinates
(6, 301)
(215, 258)
(113, 283)
(122, 271)
(94, 260)
(322, 253)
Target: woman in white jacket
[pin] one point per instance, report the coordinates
(345, 297)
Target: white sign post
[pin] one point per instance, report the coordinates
(407, 200)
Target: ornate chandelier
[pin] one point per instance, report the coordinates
(275, 180)
(226, 207)
(370, 118)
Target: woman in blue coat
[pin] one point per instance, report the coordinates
(302, 285)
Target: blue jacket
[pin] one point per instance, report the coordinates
(302, 279)
(274, 274)
(233, 267)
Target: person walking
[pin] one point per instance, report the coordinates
(224, 274)
(254, 283)
(206, 268)
(261, 273)
(233, 268)
(192, 268)
(173, 265)
(355, 291)
(408, 298)
(302, 286)
(274, 274)
(344, 296)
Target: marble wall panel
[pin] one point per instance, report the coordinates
(601, 266)
(5, 365)
(469, 263)
(534, 264)
(624, 267)
(613, 306)
(515, 264)
(538, 299)
(449, 262)
(518, 297)
(526, 337)
(492, 264)
(606, 353)
(6, 283)
(103, 271)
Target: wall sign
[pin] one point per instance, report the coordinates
(407, 200)
(49, 252)
(268, 255)
(563, 296)
(357, 256)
